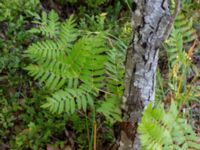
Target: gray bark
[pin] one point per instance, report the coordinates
(152, 24)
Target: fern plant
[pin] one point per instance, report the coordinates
(179, 59)
(182, 34)
(166, 130)
(72, 67)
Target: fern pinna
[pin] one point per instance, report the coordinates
(72, 67)
(166, 130)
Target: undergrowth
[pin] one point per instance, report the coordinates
(62, 70)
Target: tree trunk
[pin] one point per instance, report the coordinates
(152, 24)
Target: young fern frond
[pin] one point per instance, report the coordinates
(72, 68)
(166, 130)
(48, 24)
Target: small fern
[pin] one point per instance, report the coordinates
(166, 130)
(179, 56)
(65, 59)
(183, 33)
(75, 67)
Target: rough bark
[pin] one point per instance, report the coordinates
(152, 24)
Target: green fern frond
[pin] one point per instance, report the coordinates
(68, 100)
(45, 49)
(50, 66)
(115, 68)
(68, 33)
(175, 47)
(48, 24)
(166, 130)
(110, 109)
(93, 72)
(183, 33)
(51, 76)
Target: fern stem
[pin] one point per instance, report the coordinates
(95, 135)
(88, 131)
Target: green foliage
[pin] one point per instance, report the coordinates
(48, 24)
(95, 3)
(64, 53)
(110, 109)
(115, 71)
(190, 5)
(9, 9)
(68, 100)
(175, 48)
(179, 55)
(160, 91)
(166, 130)
(31, 125)
(184, 26)
(17, 112)
(96, 23)
(90, 3)
(77, 66)
(182, 33)
(75, 69)
(6, 118)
